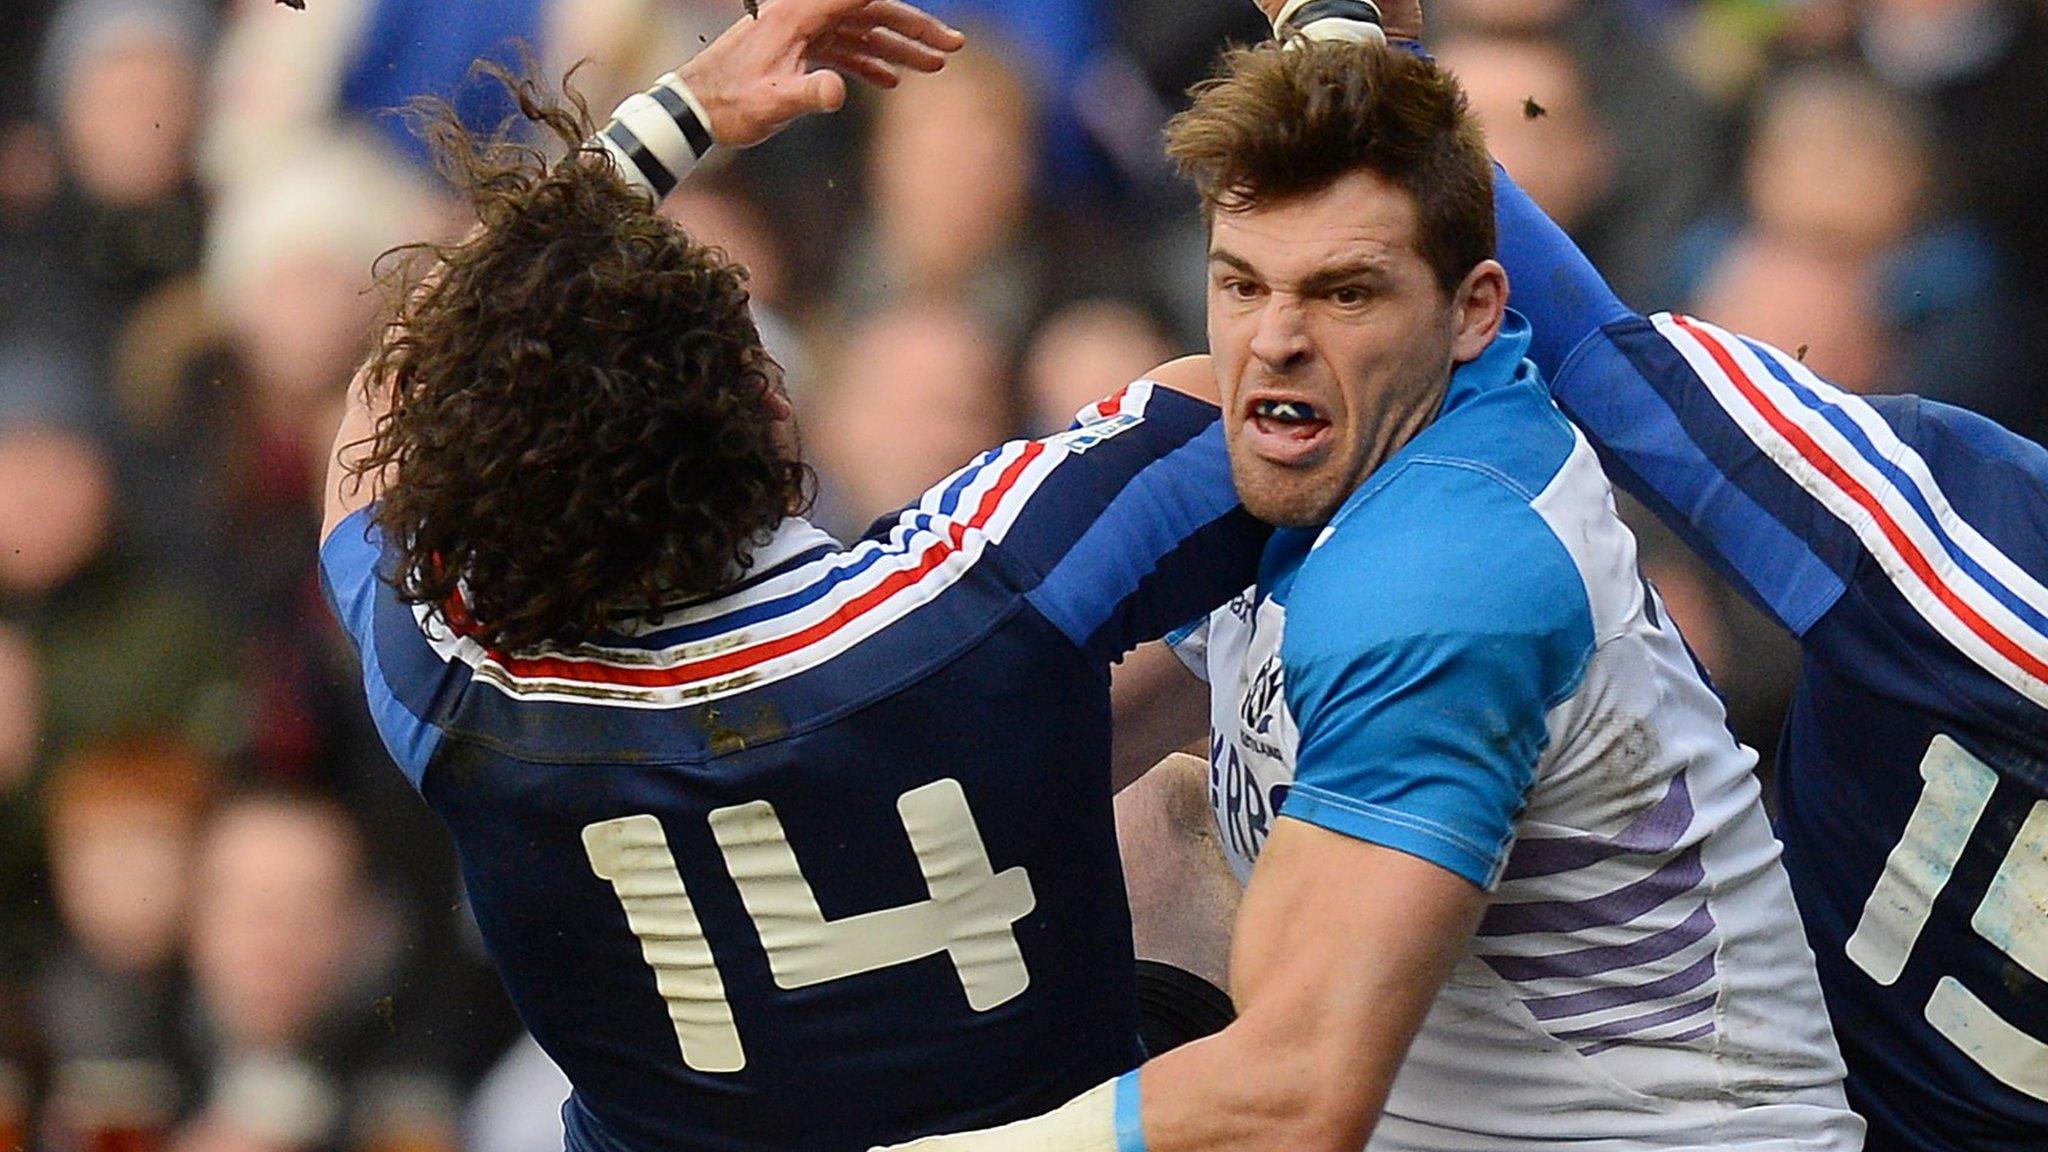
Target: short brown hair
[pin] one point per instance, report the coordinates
(152, 771)
(1280, 123)
(583, 420)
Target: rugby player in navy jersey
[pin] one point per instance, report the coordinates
(779, 845)
(1904, 543)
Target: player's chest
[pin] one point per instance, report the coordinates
(1253, 735)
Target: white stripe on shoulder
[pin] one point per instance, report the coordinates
(925, 553)
(1908, 551)
(2001, 567)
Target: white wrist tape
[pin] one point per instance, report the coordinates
(1357, 21)
(1087, 1123)
(655, 137)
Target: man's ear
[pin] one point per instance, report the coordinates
(1476, 310)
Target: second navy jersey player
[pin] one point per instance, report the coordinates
(827, 860)
(1905, 543)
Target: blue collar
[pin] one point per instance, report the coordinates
(1505, 362)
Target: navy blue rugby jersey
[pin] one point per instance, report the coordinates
(1905, 543)
(827, 861)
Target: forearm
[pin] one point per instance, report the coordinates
(1551, 281)
(1157, 707)
(1249, 1090)
(348, 490)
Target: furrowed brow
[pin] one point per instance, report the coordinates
(1230, 259)
(1370, 272)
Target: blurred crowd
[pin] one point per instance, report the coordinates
(225, 923)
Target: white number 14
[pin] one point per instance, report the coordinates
(1958, 787)
(969, 916)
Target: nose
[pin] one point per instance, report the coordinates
(1281, 341)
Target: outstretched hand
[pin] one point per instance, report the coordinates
(762, 73)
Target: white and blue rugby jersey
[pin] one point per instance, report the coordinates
(827, 860)
(1905, 543)
(1465, 665)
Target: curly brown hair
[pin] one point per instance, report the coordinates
(1280, 122)
(582, 421)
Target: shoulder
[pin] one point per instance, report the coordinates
(1450, 552)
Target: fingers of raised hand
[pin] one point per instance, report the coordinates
(889, 48)
(857, 65)
(907, 21)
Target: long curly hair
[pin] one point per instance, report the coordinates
(582, 421)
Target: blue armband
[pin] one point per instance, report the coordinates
(1130, 1120)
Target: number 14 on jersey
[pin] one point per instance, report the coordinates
(970, 914)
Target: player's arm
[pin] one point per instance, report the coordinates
(756, 78)
(1422, 712)
(1157, 707)
(1341, 946)
(1127, 524)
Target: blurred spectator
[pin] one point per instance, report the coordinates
(1083, 353)
(123, 818)
(1531, 99)
(916, 393)
(21, 1073)
(1051, 45)
(1838, 162)
(130, 216)
(1846, 252)
(288, 949)
(274, 86)
(1803, 297)
(123, 648)
(1981, 64)
(1666, 150)
(950, 175)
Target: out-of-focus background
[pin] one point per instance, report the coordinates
(225, 923)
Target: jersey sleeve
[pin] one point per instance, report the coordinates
(1798, 492)
(410, 684)
(1124, 527)
(1689, 419)
(1421, 673)
(1190, 642)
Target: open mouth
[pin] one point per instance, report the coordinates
(1288, 419)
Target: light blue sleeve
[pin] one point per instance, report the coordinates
(1426, 643)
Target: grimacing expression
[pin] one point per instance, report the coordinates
(1332, 340)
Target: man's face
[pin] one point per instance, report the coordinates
(1332, 341)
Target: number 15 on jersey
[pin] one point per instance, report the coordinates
(1957, 790)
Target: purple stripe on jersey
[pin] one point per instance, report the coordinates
(1620, 906)
(1653, 833)
(1633, 1024)
(1601, 999)
(1706, 1029)
(1594, 961)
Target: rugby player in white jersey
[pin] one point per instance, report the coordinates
(1510, 882)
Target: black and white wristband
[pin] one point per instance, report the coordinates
(1357, 21)
(655, 137)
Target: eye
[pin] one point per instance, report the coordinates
(1349, 296)
(1239, 288)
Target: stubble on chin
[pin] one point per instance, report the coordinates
(1282, 498)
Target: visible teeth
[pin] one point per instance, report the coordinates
(1288, 410)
